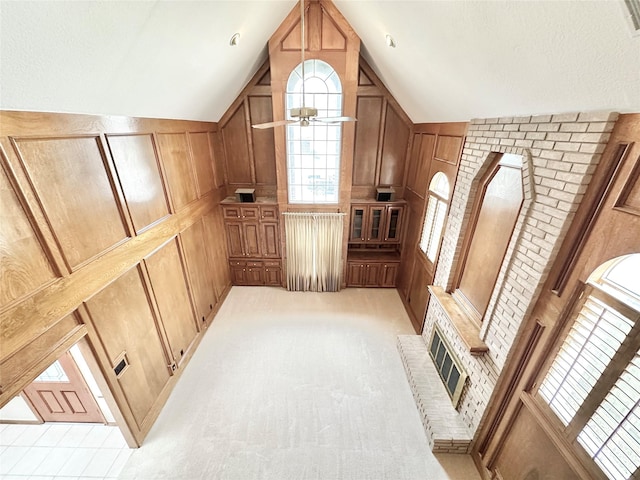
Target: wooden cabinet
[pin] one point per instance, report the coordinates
(253, 240)
(372, 272)
(255, 272)
(376, 223)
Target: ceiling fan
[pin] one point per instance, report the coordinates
(303, 115)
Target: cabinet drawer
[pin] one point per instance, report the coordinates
(249, 213)
(271, 264)
(254, 264)
(231, 211)
(269, 213)
(235, 263)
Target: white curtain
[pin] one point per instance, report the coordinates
(314, 251)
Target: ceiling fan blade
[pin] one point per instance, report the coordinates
(274, 124)
(334, 119)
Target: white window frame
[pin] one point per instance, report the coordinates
(435, 217)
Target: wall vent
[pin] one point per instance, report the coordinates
(448, 366)
(633, 7)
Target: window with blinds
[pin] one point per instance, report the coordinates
(612, 434)
(591, 344)
(593, 383)
(435, 216)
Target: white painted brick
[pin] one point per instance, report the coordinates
(592, 147)
(601, 127)
(543, 144)
(558, 165)
(524, 143)
(517, 135)
(559, 136)
(541, 119)
(567, 146)
(545, 172)
(580, 157)
(504, 120)
(497, 127)
(552, 154)
(521, 119)
(574, 127)
(535, 135)
(549, 127)
(528, 127)
(565, 117)
(598, 117)
(477, 121)
(511, 127)
(590, 137)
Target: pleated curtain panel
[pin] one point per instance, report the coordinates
(314, 251)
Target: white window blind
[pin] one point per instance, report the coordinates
(612, 434)
(595, 337)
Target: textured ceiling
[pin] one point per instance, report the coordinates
(455, 60)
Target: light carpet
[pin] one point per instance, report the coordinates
(296, 386)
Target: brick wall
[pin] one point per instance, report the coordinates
(560, 154)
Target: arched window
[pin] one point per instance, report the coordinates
(593, 384)
(435, 216)
(313, 151)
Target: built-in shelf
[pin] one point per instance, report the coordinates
(467, 329)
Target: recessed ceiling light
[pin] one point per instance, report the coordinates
(390, 41)
(235, 40)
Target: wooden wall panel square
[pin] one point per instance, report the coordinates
(174, 151)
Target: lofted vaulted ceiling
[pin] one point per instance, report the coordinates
(454, 60)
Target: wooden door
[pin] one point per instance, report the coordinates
(273, 275)
(393, 225)
(357, 233)
(372, 274)
(355, 272)
(375, 223)
(251, 234)
(61, 394)
(235, 239)
(270, 240)
(388, 275)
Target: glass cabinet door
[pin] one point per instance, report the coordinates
(375, 230)
(393, 225)
(357, 233)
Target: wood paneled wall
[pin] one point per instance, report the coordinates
(435, 148)
(249, 152)
(606, 226)
(110, 232)
(382, 142)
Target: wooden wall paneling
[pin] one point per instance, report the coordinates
(419, 294)
(427, 162)
(138, 169)
(365, 158)
(332, 37)
(394, 148)
(19, 368)
(178, 167)
(200, 274)
(168, 281)
(414, 162)
(125, 326)
(48, 305)
(448, 148)
(264, 153)
(219, 161)
(78, 197)
(216, 246)
(25, 263)
(234, 135)
(527, 455)
(203, 161)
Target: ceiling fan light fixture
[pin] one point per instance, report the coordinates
(235, 40)
(391, 42)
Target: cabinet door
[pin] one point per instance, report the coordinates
(388, 275)
(238, 272)
(358, 232)
(355, 274)
(231, 211)
(393, 226)
(235, 239)
(273, 276)
(270, 247)
(375, 223)
(269, 213)
(250, 213)
(255, 274)
(372, 274)
(251, 235)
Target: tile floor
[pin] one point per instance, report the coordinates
(61, 451)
